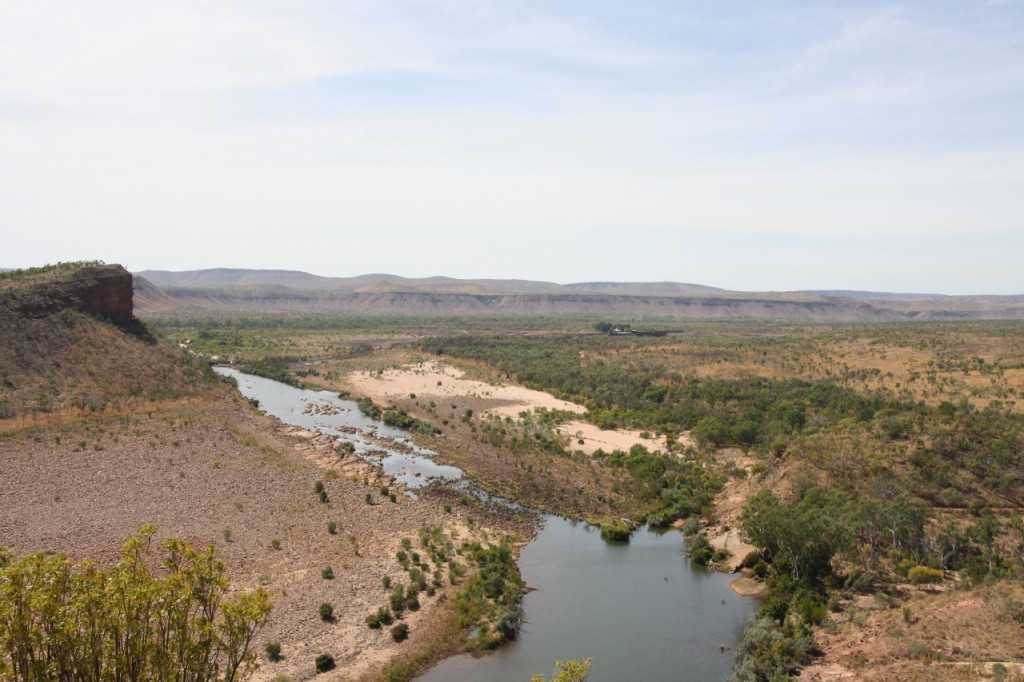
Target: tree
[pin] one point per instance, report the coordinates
(801, 537)
(87, 623)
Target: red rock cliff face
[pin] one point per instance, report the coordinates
(102, 290)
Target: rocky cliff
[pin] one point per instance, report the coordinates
(101, 290)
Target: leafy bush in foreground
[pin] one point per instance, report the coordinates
(102, 623)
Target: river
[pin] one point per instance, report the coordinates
(640, 610)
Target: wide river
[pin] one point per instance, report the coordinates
(640, 610)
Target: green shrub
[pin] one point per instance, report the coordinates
(324, 662)
(922, 575)
(327, 573)
(751, 559)
(275, 543)
(400, 632)
(373, 620)
(775, 609)
(610, 533)
(332, 527)
(701, 551)
(273, 650)
(397, 599)
(904, 566)
(326, 612)
(812, 610)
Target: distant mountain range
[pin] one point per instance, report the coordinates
(161, 292)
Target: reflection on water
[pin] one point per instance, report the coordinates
(640, 610)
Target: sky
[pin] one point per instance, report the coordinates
(758, 146)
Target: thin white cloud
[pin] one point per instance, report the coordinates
(460, 123)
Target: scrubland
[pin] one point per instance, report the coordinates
(876, 469)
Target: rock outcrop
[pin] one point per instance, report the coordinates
(101, 290)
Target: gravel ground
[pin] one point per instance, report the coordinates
(218, 473)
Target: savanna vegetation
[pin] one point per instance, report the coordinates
(871, 457)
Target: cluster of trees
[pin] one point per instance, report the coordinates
(959, 451)
(874, 539)
(804, 538)
(493, 595)
(84, 622)
(673, 488)
(642, 393)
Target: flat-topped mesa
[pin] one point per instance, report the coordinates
(101, 290)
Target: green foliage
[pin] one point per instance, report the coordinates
(701, 551)
(397, 418)
(400, 632)
(324, 662)
(567, 671)
(613, 533)
(644, 395)
(676, 488)
(922, 575)
(275, 368)
(273, 650)
(799, 537)
(125, 622)
(493, 593)
(327, 573)
(769, 651)
(326, 612)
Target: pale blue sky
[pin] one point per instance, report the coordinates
(745, 145)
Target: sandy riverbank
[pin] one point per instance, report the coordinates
(438, 381)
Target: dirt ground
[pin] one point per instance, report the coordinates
(924, 634)
(218, 473)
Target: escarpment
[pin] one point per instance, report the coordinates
(104, 291)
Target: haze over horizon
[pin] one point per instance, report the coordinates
(746, 146)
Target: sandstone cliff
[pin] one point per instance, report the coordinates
(69, 343)
(101, 290)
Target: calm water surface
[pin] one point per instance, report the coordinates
(639, 610)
